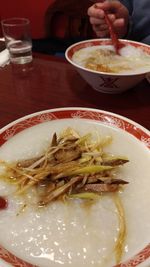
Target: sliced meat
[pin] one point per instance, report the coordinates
(54, 140)
(114, 162)
(101, 187)
(28, 162)
(67, 155)
(59, 191)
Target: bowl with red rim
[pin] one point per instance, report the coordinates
(109, 82)
(23, 138)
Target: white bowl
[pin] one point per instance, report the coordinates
(107, 82)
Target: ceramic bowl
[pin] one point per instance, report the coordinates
(107, 82)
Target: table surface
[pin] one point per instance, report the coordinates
(54, 83)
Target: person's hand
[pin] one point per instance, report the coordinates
(118, 14)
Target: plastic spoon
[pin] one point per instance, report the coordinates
(116, 43)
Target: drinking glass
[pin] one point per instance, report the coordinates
(17, 36)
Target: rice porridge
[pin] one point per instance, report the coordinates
(104, 59)
(72, 234)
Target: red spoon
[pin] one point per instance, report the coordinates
(116, 43)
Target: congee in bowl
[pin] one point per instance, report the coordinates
(106, 71)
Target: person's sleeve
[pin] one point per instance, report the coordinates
(139, 22)
(128, 4)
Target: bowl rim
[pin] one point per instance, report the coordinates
(101, 72)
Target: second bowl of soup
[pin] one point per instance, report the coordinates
(104, 70)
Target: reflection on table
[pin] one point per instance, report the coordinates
(51, 82)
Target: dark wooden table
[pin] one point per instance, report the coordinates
(53, 83)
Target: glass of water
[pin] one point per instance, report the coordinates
(17, 36)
